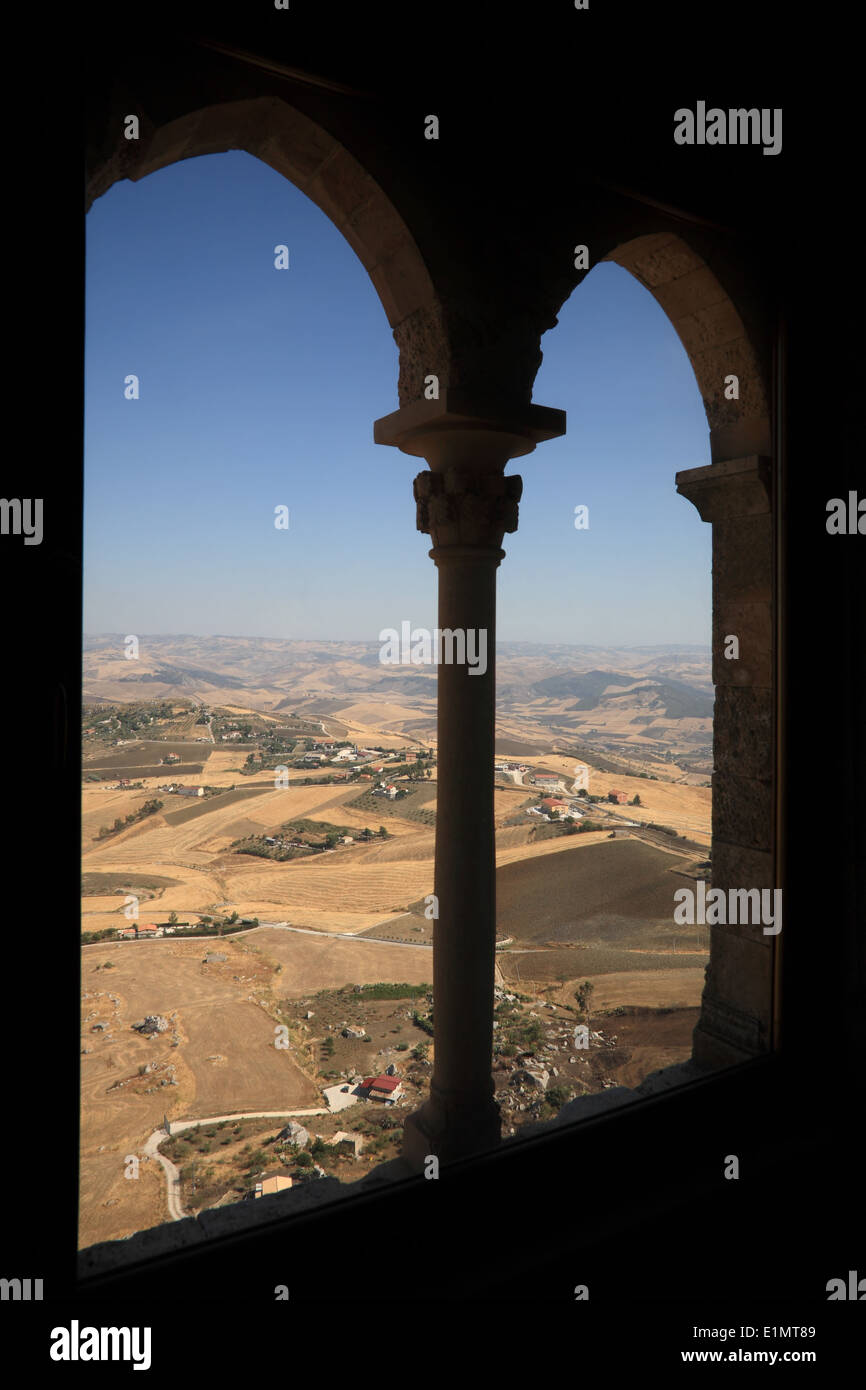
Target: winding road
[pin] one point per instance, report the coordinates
(172, 1175)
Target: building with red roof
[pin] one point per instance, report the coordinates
(386, 1088)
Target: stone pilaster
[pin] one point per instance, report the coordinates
(737, 1009)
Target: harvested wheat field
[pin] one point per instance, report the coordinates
(372, 716)
(657, 989)
(617, 893)
(224, 1060)
(311, 963)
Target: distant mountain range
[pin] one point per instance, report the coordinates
(655, 698)
(674, 699)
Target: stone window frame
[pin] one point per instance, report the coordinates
(736, 492)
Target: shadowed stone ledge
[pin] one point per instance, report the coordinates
(230, 1220)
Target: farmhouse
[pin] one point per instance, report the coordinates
(552, 803)
(385, 1088)
(126, 932)
(149, 930)
(189, 791)
(268, 1186)
(619, 797)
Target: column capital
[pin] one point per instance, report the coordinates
(460, 430)
(461, 509)
(736, 487)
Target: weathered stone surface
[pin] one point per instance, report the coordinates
(340, 186)
(726, 1036)
(715, 326)
(422, 340)
(375, 231)
(294, 145)
(712, 366)
(743, 559)
(742, 810)
(743, 724)
(742, 439)
(751, 623)
(736, 488)
(689, 294)
(657, 259)
(402, 282)
(735, 866)
(462, 508)
(740, 978)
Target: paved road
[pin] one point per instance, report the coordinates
(346, 936)
(175, 1210)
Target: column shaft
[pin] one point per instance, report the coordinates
(465, 878)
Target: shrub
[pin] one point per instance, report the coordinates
(557, 1096)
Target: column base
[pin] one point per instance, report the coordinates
(450, 1131)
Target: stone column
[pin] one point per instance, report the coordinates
(466, 504)
(737, 1010)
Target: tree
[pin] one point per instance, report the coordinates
(583, 995)
(636, 801)
(172, 917)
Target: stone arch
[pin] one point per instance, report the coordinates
(729, 331)
(713, 333)
(329, 174)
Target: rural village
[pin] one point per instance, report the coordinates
(257, 923)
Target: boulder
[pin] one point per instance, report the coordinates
(294, 1134)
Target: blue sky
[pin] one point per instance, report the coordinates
(259, 388)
